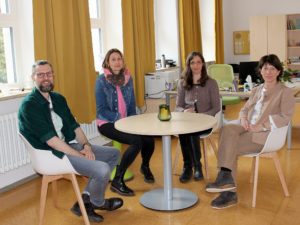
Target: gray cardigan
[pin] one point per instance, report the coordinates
(208, 97)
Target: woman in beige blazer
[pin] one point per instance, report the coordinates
(270, 105)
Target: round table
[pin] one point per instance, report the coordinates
(167, 198)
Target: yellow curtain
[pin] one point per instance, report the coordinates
(62, 35)
(219, 31)
(189, 28)
(138, 40)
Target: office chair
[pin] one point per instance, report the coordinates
(223, 74)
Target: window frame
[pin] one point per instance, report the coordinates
(23, 40)
(7, 20)
(98, 23)
(20, 20)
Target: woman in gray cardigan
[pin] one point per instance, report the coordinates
(197, 92)
(270, 105)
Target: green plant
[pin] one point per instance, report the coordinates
(288, 74)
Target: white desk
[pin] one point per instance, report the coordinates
(240, 94)
(295, 86)
(222, 93)
(167, 198)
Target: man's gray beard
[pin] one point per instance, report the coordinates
(46, 89)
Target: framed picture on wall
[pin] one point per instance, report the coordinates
(241, 42)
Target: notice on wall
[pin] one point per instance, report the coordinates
(241, 43)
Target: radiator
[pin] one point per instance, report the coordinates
(12, 151)
(90, 130)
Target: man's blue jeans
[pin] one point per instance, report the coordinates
(98, 171)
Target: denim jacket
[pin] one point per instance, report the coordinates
(107, 99)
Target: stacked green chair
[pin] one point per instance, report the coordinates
(128, 175)
(223, 74)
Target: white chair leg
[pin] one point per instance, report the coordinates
(255, 181)
(280, 173)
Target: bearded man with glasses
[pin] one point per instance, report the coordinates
(47, 123)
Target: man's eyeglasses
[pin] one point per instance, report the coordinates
(43, 75)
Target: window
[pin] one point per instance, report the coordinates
(16, 43)
(7, 68)
(4, 7)
(207, 19)
(95, 8)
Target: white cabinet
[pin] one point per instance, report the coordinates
(268, 36)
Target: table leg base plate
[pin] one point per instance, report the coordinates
(156, 200)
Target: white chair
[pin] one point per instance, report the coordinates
(275, 141)
(204, 137)
(53, 169)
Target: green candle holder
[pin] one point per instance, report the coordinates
(164, 113)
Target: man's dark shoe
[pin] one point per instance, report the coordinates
(225, 200)
(118, 186)
(224, 182)
(198, 175)
(148, 176)
(186, 175)
(110, 204)
(93, 217)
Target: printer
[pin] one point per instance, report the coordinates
(156, 83)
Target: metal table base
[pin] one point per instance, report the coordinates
(181, 199)
(168, 198)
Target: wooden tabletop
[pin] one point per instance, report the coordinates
(180, 123)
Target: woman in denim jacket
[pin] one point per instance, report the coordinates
(115, 100)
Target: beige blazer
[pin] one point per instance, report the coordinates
(278, 103)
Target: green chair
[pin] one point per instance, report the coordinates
(128, 175)
(223, 74)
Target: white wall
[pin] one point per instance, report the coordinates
(237, 14)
